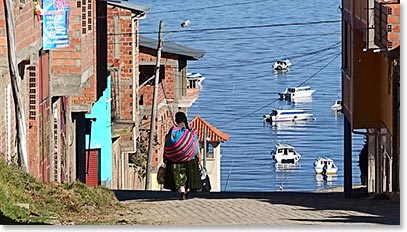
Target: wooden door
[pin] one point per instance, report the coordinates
(92, 167)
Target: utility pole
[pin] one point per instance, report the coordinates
(205, 144)
(16, 84)
(154, 107)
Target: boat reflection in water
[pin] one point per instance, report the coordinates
(325, 180)
(301, 102)
(288, 124)
(285, 176)
(286, 167)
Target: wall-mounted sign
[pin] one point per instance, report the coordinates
(55, 24)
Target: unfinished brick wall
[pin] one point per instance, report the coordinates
(387, 24)
(27, 25)
(3, 36)
(120, 60)
(165, 100)
(166, 90)
(79, 59)
(6, 102)
(28, 29)
(7, 119)
(32, 88)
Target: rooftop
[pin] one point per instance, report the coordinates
(173, 48)
(213, 133)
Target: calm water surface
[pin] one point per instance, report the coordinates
(242, 40)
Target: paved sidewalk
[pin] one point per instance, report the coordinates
(264, 208)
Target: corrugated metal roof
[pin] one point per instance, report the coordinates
(127, 5)
(172, 48)
(213, 133)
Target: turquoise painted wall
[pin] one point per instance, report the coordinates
(101, 134)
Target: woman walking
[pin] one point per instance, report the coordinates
(181, 158)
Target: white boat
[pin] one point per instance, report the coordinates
(337, 106)
(292, 125)
(195, 80)
(325, 166)
(293, 93)
(286, 115)
(285, 154)
(282, 65)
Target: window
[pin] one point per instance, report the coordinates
(89, 15)
(210, 152)
(86, 15)
(389, 28)
(389, 11)
(192, 84)
(148, 71)
(389, 45)
(32, 80)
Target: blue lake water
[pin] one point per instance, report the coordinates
(242, 39)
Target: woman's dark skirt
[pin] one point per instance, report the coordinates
(179, 174)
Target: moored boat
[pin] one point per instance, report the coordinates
(293, 93)
(285, 154)
(282, 65)
(325, 166)
(337, 106)
(286, 115)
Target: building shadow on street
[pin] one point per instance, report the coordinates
(380, 209)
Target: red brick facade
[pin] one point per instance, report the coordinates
(387, 24)
(45, 104)
(122, 50)
(27, 31)
(79, 59)
(60, 86)
(122, 62)
(166, 107)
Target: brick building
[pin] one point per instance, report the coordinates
(173, 94)
(122, 62)
(62, 91)
(58, 87)
(20, 40)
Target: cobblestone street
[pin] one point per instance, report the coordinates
(275, 208)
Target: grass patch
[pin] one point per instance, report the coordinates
(24, 200)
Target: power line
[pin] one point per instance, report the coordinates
(257, 110)
(256, 37)
(261, 76)
(333, 46)
(207, 7)
(313, 53)
(237, 38)
(306, 80)
(305, 64)
(296, 67)
(248, 27)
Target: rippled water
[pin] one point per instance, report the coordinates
(242, 40)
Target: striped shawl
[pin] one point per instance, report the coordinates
(181, 145)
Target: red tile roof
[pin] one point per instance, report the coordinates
(213, 133)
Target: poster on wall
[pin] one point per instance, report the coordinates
(55, 24)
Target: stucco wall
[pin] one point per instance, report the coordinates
(101, 134)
